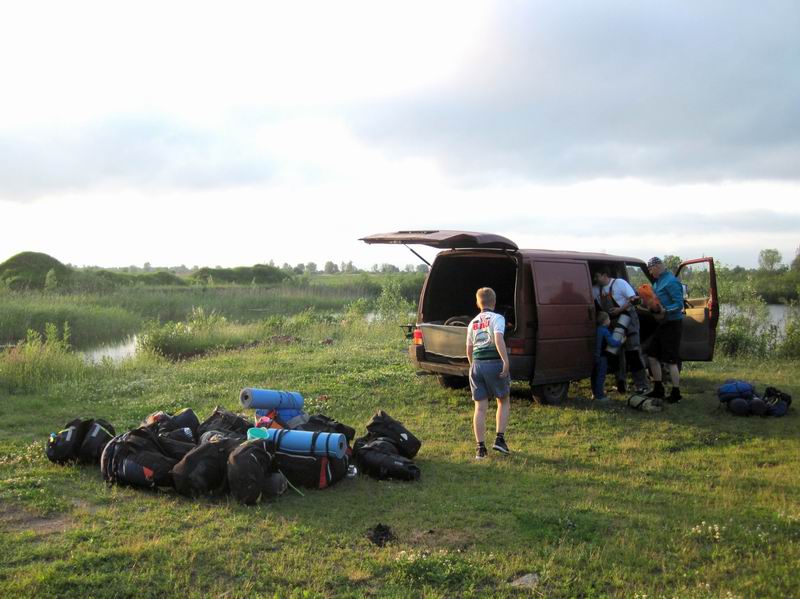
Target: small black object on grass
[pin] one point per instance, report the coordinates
(380, 534)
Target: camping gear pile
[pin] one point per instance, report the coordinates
(227, 454)
(640, 401)
(740, 398)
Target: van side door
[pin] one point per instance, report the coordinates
(565, 321)
(702, 309)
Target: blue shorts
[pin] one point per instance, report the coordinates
(485, 380)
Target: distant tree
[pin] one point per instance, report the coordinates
(375, 268)
(796, 262)
(311, 267)
(147, 267)
(272, 263)
(408, 268)
(389, 268)
(348, 267)
(672, 262)
(422, 268)
(330, 268)
(286, 267)
(769, 259)
(299, 269)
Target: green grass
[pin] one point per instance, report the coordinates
(691, 502)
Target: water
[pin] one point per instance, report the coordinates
(778, 313)
(116, 352)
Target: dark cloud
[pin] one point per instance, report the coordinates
(666, 91)
(132, 152)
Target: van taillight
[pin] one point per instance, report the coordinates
(417, 338)
(516, 346)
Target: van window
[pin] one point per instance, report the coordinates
(636, 275)
(562, 283)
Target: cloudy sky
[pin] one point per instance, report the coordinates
(238, 132)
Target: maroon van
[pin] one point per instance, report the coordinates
(546, 298)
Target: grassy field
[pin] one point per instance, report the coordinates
(691, 502)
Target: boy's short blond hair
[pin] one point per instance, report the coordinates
(485, 296)
(603, 317)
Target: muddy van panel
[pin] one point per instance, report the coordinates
(566, 320)
(444, 239)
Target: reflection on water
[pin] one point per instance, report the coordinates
(778, 313)
(116, 352)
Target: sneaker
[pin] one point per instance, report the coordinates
(481, 452)
(500, 445)
(604, 399)
(621, 387)
(641, 390)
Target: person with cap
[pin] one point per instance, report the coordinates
(666, 341)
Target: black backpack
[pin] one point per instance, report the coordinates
(95, 441)
(325, 424)
(136, 458)
(64, 446)
(379, 459)
(383, 425)
(225, 421)
(310, 471)
(183, 425)
(252, 475)
(203, 471)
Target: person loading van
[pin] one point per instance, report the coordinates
(616, 297)
(665, 344)
(489, 370)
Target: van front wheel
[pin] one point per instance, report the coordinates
(449, 381)
(552, 394)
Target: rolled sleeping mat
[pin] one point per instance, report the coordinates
(619, 332)
(268, 399)
(300, 442)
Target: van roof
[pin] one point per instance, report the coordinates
(594, 256)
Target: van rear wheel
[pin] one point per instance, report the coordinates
(552, 394)
(449, 381)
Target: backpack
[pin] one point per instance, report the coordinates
(252, 475)
(325, 424)
(311, 471)
(733, 388)
(644, 403)
(135, 458)
(383, 425)
(777, 401)
(98, 435)
(64, 446)
(224, 421)
(380, 459)
(185, 422)
(203, 471)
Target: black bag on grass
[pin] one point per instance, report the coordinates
(203, 471)
(325, 424)
(379, 459)
(95, 441)
(312, 472)
(226, 421)
(64, 446)
(136, 458)
(383, 425)
(252, 475)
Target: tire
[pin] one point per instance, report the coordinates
(552, 394)
(458, 321)
(449, 381)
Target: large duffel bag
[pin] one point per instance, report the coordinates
(64, 446)
(379, 459)
(182, 425)
(226, 421)
(136, 458)
(252, 476)
(383, 425)
(733, 388)
(95, 441)
(325, 424)
(310, 471)
(203, 471)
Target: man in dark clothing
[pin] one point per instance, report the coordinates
(665, 343)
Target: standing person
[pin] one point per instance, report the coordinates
(665, 343)
(616, 296)
(604, 339)
(489, 370)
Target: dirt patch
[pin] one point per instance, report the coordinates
(16, 519)
(440, 538)
(284, 339)
(380, 534)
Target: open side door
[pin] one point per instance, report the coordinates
(566, 321)
(444, 239)
(702, 309)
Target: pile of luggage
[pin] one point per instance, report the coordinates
(740, 398)
(226, 453)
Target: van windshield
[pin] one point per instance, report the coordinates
(454, 279)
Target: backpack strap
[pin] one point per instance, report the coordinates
(314, 438)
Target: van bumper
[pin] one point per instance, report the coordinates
(521, 366)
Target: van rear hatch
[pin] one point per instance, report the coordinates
(444, 239)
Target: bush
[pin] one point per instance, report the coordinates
(746, 330)
(391, 305)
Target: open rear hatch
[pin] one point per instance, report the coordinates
(444, 239)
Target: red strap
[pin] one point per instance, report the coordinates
(323, 472)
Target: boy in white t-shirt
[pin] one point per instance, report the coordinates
(489, 370)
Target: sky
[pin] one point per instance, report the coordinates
(241, 132)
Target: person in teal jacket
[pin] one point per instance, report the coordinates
(665, 343)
